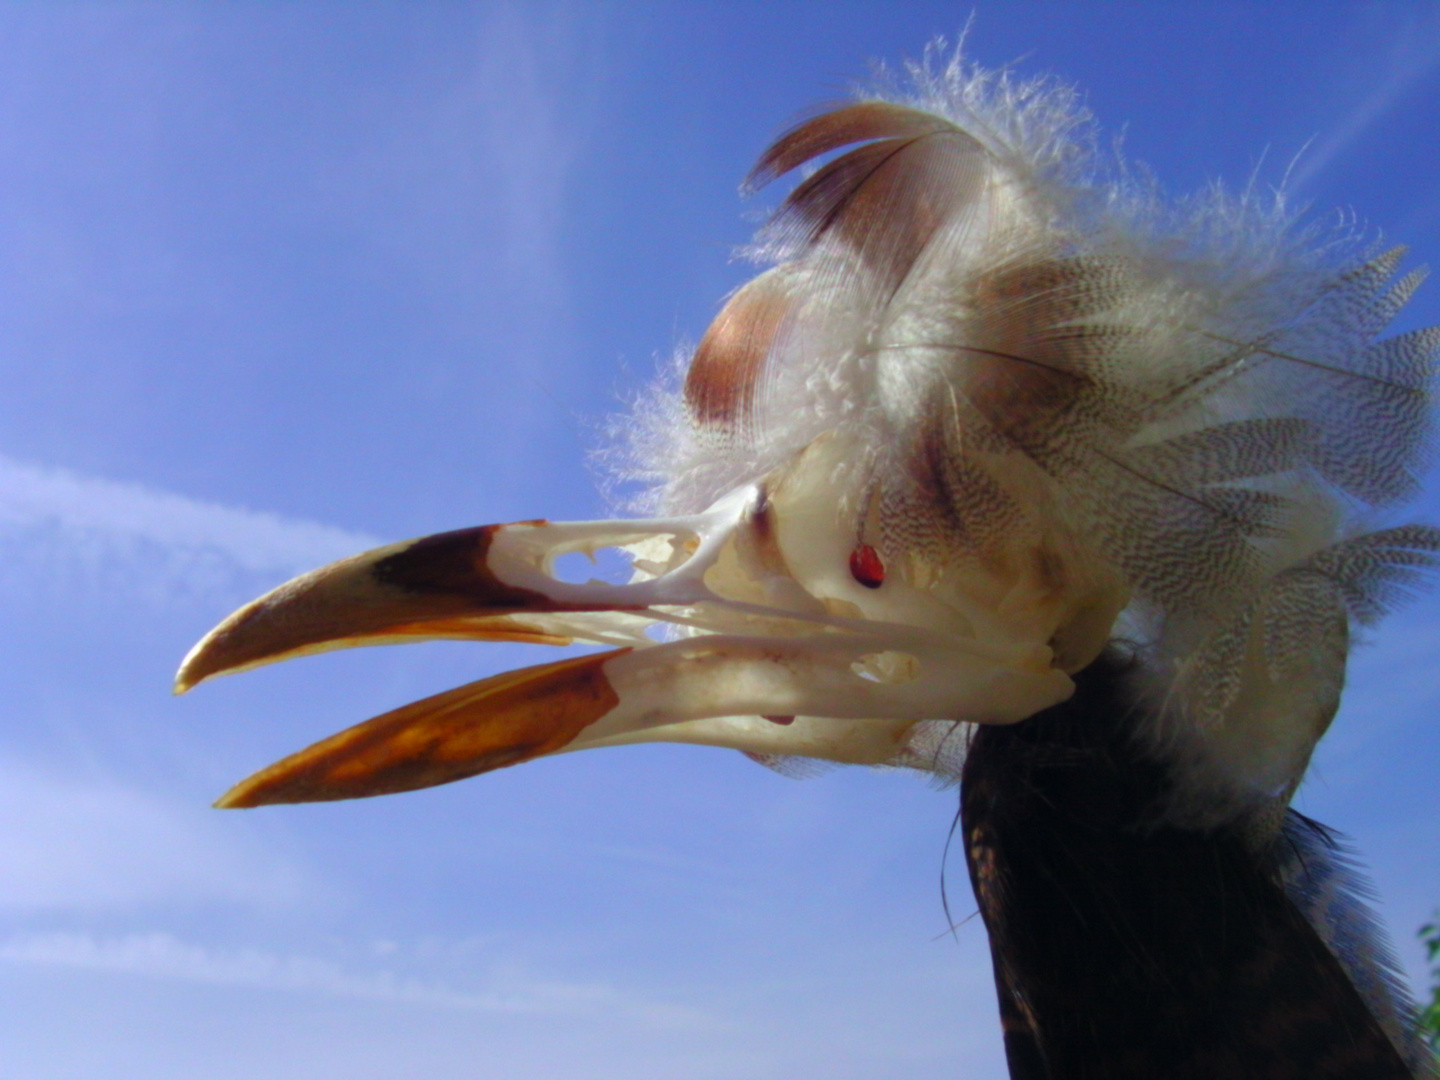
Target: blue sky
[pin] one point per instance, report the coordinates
(279, 282)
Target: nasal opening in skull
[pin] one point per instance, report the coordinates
(610, 565)
(617, 560)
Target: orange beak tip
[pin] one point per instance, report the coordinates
(246, 795)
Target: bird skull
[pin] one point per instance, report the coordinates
(779, 639)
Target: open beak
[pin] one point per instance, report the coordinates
(780, 642)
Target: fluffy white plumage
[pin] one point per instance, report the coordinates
(1058, 391)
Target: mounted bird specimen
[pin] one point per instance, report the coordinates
(1007, 471)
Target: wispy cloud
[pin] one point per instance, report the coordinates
(69, 844)
(477, 163)
(36, 497)
(1409, 61)
(163, 956)
(54, 521)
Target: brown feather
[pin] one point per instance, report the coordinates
(887, 198)
(834, 128)
(726, 369)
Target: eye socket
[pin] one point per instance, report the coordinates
(866, 567)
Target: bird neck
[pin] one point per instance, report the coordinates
(1125, 947)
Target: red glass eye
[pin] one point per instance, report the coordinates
(866, 567)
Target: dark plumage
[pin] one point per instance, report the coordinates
(1126, 947)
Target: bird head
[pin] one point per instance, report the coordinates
(983, 414)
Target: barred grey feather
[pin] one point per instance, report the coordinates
(1378, 571)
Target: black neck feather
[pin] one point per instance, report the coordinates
(1127, 948)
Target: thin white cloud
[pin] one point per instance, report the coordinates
(163, 956)
(1409, 62)
(105, 535)
(474, 167)
(34, 498)
(466, 182)
(72, 845)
